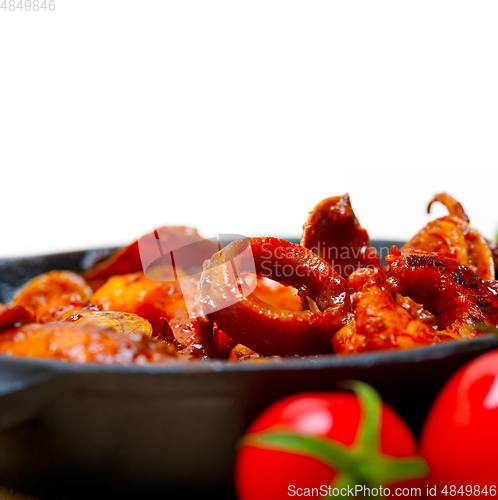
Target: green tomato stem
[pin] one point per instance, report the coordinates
(363, 462)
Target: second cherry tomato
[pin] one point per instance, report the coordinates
(460, 435)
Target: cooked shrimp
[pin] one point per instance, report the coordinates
(380, 322)
(83, 343)
(54, 295)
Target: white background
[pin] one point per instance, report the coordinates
(117, 116)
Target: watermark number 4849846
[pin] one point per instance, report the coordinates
(27, 5)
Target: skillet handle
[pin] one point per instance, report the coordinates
(22, 388)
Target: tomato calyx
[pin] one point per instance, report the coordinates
(363, 462)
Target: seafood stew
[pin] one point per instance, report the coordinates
(260, 299)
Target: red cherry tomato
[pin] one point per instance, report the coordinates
(460, 435)
(309, 444)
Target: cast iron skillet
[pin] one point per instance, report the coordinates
(79, 431)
